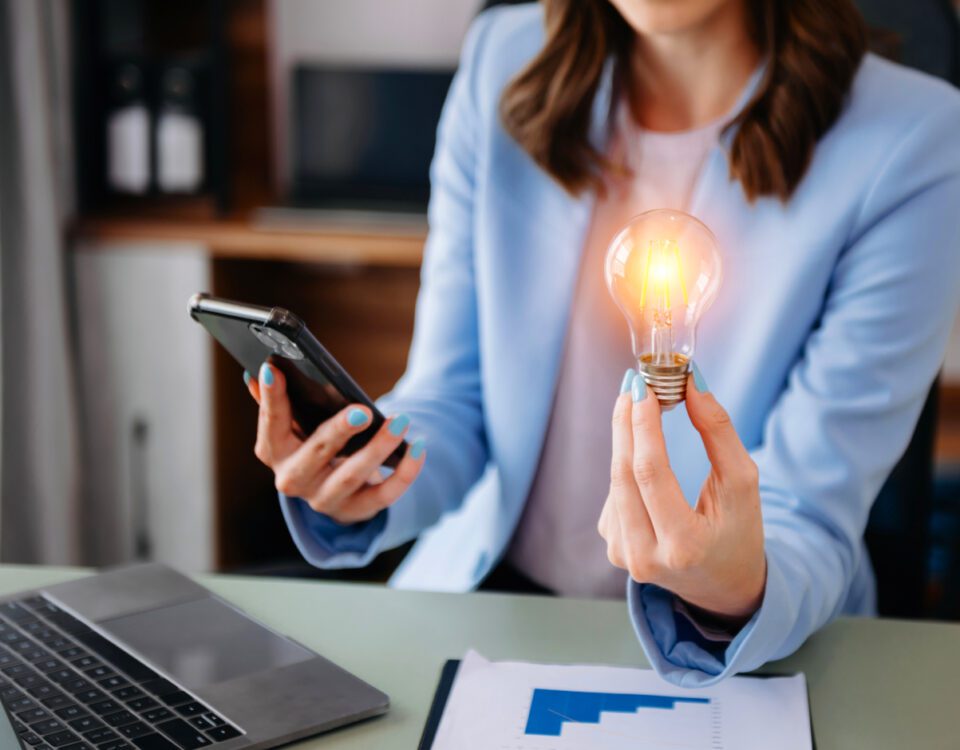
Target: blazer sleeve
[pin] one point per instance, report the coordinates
(849, 408)
(440, 390)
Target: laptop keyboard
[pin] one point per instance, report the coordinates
(66, 687)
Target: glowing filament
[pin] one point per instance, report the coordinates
(662, 266)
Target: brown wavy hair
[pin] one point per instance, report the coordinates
(814, 48)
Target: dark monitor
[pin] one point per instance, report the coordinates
(364, 137)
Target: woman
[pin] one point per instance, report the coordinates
(832, 180)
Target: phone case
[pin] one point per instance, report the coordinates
(318, 386)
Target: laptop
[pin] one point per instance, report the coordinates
(144, 658)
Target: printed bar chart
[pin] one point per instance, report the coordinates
(549, 709)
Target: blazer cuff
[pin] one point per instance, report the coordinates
(680, 654)
(325, 543)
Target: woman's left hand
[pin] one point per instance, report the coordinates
(711, 556)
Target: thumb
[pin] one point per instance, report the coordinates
(724, 449)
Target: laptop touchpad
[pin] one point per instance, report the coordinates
(205, 641)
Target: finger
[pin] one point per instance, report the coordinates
(659, 488)
(333, 433)
(275, 438)
(302, 473)
(352, 474)
(623, 486)
(253, 387)
(372, 499)
(724, 448)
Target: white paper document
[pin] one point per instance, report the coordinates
(519, 706)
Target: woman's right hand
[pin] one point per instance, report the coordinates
(348, 489)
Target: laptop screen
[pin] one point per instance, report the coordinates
(8, 738)
(364, 135)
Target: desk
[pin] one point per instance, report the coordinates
(873, 683)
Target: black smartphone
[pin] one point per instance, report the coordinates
(318, 387)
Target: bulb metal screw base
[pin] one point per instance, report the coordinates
(668, 382)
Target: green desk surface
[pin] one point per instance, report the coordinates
(874, 684)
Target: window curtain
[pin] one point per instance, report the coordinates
(40, 519)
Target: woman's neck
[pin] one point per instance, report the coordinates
(690, 78)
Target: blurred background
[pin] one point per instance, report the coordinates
(276, 152)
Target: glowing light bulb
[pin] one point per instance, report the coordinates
(663, 270)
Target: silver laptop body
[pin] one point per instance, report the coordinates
(161, 662)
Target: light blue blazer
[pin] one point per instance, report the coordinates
(823, 342)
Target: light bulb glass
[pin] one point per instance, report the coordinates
(663, 270)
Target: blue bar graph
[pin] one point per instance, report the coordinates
(549, 709)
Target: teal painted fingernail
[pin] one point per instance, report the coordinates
(698, 381)
(266, 374)
(246, 378)
(399, 424)
(357, 417)
(638, 389)
(628, 377)
(416, 450)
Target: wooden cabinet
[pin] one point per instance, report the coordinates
(168, 426)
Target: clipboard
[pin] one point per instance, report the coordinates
(445, 684)
(447, 675)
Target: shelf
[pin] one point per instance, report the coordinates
(341, 244)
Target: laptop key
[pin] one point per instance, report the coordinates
(30, 738)
(86, 662)
(191, 709)
(157, 714)
(219, 734)
(183, 734)
(89, 696)
(119, 718)
(60, 739)
(105, 707)
(159, 686)
(44, 691)
(201, 722)
(66, 649)
(113, 683)
(99, 736)
(47, 665)
(86, 724)
(177, 698)
(32, 714)
(79, 685)
(56, 701)
(153, 742)
(100, 672)
(47, 726)
(142, 704)
(137, 729)
(128, 693)
(15, 612)
(214, 719)
(19, 704)
(28, 681)
(34, 655)
(62, 675)
(72, 711)
(115, 745)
